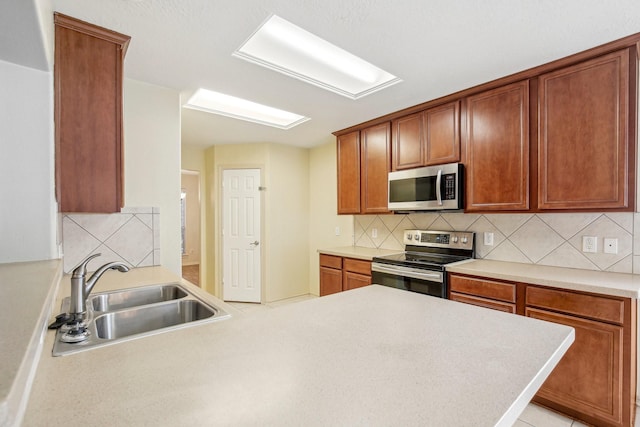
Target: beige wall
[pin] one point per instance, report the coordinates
(152, 160)
(323, 205)
(28, 211)
(285, 174)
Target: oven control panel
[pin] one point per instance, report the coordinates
(439, 239)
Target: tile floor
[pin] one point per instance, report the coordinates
(533, 415)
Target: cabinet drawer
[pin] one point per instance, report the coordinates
(592, 306)
(483, 288)
(483, 302)
(331, 261)
(357, 266)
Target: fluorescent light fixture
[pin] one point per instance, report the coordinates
(238, 108)
(284, 47)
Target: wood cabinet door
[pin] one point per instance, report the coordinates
(408, 142)
(355, 280)
(348, 147)
(375, 156)
(442, 134)
(88, 116)
(330, 281)
(583, 152)
(588, 380)
(497, 146)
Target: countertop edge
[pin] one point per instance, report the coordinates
(623, 285)
(358, 252)
(15, 404)
(519, 405)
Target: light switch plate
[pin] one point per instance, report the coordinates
(488, 239)
(374, 233)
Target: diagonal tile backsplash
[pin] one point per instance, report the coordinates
(131, 236)
(545, 239)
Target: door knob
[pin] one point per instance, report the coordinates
(256, 243)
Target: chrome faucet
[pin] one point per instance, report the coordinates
(81, 288)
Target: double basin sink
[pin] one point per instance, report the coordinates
(137, 312)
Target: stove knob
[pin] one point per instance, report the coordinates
(455, 239)
(465, 240)
(409, 237)
(417, 237)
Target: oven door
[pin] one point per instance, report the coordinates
(418, 280)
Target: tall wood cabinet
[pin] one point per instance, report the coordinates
(348, 155)
(88, 75)
(364, 161)
(584, 148)
(497, 147)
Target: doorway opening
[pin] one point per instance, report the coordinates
(190, 226)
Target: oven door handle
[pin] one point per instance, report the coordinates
(407, 272)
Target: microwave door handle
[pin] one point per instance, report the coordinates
(438, 191)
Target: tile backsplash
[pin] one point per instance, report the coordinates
(131, 236)
(546, 239)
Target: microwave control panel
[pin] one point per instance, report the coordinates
(449, 186)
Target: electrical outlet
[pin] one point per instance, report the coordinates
(374, 233)
(589, 244)
(337, 231)
(610, 246)
(488, 239)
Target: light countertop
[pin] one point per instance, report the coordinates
(369, 356)
(358, 252)
(25, 289)
(600, 282)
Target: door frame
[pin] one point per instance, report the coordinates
(201, 217)
(219, 289)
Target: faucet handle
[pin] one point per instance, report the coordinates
(81, 270)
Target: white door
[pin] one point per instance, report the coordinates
(241, 235)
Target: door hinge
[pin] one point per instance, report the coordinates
(262, 188)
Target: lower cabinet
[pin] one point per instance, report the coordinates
(339, 274)
(596, 379)
(483, 292)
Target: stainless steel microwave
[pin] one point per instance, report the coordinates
(438, 187)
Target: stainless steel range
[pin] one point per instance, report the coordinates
(421, 268)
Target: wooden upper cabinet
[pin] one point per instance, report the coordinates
(375, 156)
(348, 147)
(88, 116)
(408, 142)
(584, 145)
(497, 147)
(430, 137)
(442, 128)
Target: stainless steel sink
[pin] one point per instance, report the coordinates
(117, 300)
(125, 323)
(134, 313)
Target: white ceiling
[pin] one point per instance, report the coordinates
(435, 46)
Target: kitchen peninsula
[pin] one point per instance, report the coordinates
(370, 356)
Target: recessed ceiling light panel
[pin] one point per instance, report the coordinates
(282, 46)
(238, 108)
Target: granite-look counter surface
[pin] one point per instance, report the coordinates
(369, 356)
(358, 252)
(599, 282)
(27, 290)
